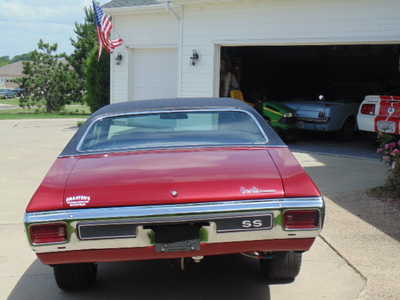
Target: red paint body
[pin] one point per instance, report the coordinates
(147, 177)
(146, 253)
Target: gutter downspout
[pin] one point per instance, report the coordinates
(180, 19)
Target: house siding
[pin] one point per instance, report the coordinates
(279, 22)
(138, 31)
(251, 22)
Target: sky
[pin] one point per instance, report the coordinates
(24, 22)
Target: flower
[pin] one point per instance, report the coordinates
(390, 146)
(379, 150)
(386, 158)
(394, 152)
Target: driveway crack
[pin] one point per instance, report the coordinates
(352, 266)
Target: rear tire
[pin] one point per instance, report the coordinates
(75, 277)
(284, 266)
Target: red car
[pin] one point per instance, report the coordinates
(173, 179)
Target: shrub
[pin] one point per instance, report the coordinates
(97, 80)
(390, 150)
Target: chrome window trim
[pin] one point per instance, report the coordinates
(175, 212)
(101, 117)
(173, 148)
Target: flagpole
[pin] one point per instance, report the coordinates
(104, 29)
(98, 33)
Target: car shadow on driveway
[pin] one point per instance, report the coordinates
(220, 277)
(346, 181)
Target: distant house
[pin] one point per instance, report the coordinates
(9, 73)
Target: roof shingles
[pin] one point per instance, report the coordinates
(129, 3)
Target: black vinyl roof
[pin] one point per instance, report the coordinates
(171, 104)
(166, 105)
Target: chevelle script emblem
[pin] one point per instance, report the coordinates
(255, 190)
(79, 200)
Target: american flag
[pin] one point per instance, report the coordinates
(104, 27)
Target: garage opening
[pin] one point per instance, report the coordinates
(284, 73)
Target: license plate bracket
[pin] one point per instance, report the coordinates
(177, 237)
(386, 126)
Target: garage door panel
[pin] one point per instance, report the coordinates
(154, 73)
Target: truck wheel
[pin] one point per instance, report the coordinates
(74, 277)
(348, 130)
(284, 266)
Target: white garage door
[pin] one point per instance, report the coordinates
(154, 73)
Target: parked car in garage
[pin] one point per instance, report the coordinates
(280, 116)
(380, 114)
(326, 115)
(367, 113)
(8, 93)
(173, 179)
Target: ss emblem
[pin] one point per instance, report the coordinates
(252, 223)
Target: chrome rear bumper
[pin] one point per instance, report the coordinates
(142, 216)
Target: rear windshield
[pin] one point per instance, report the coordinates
(172, 129)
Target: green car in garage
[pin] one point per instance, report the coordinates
(279, 116)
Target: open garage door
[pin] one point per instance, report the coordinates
(154, 73)
(282, 73)
(315, 88)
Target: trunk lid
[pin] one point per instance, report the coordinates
(151, 177)
(309, 109)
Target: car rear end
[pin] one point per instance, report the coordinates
(174, 202)
(174, 231)
(126, 200)
(367, 113)
(388, 118)
(311, 115)
(279, 115)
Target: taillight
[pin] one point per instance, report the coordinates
(48, 233)
(368, 109)
(301, 219)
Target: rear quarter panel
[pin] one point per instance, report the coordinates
(50, 193)
(296, 182)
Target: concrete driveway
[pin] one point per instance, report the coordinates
(361, 146)
(341, 265)
(7, 106)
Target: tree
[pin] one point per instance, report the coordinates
(48, 79)
(4, 60)
(86, 39)
(97, 80)
(22, 57)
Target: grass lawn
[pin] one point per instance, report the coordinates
(70, 111)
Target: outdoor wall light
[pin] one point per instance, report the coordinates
(118, 59)
(194, 58)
